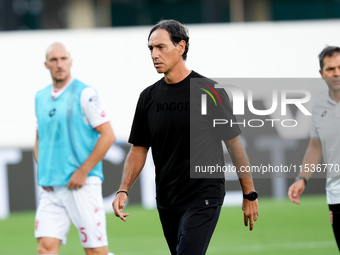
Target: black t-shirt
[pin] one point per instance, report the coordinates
(162, 122)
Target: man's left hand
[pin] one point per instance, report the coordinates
(77, 179)
(250, 212)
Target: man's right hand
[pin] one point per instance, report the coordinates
(295, 190)
(118, 205)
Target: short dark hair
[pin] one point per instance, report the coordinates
(327, 52)
(177, 33)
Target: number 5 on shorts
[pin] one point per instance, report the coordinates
(85, 236)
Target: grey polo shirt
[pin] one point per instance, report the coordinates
(325, 126)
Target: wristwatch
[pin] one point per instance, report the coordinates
(251, 196)
(301, 177)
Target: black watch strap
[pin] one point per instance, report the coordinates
(251, 196)
(301, 178)
(122, 191)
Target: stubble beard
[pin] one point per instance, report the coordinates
(61, 79)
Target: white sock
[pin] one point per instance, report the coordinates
(110, 253)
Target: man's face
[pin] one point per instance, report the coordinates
(331, 72)
(165, 55)
(58, 62)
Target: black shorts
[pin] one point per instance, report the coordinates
(188, 231)
(335, 220)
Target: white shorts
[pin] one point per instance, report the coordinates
(83, 207)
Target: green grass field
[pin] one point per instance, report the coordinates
(282, 228)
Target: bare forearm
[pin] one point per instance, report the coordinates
(104, 142)
(245, 178)
(133, 166)
(240, 160)
(311, 158)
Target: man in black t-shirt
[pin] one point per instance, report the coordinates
(188, 207)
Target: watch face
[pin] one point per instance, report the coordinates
(252, 195)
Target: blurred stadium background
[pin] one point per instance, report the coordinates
(107, 40)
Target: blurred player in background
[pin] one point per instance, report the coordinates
(325, 138)
(188, 208)
(73, 136)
